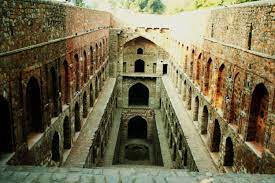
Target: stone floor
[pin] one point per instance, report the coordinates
(28, 174)
(80, 150)
(198, 149)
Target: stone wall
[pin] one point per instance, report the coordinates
(219, 65)
(57, 55)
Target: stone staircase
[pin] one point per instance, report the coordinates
(117, 174)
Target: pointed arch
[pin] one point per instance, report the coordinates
(258, 114)
(34, 123)
(204, 120)
(85, 67)
(139, 66)
(220, 86)
(77, 73)
(216, 138)
(55, 147)
(66, 85)
(138, 95)
(77, 122)
(67, 133)
(229, 152)
(208, 76)
(137, 128)
(54, 91)
(85, 107)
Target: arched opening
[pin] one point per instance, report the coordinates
(6, 144)
(77, 123)
(55, 147)
(229, 153)
(139, 66)
(220, 84)
(196, 109)
(198, 69)
(85, 67)
(96, 87)
(258, 115)
(208, 75)
(138, 95)
(91, 96)
(33, 106)
(139, 51)
(185, 157)
(216, 140)
(67, 133)
(77, 73)
(84, 102)
(91, 60)
(204, 120)
(189, 102)
(236, 93)
(184, 91)
(54, 92)
(180, 142)
(66, 82)
(96, 56)
(100, 53)
(137, 128)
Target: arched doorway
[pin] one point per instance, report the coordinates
(189, 102)
(198, 69)
(258, 114)
(220, 83)
(208, 75)
(66, 81)
(85, 67)
(77, 72)
(6, 144)
(229, 153)
(91, 95)
(55, 147)
(67, 133)
(91, 60)
(96, 87)
(33, 106)
(204, 120)
(84, 102)
(54, 93)
(77, 123)
(138, 95)
(139, 66)
(139, 51)
(137, 128)
(196, 109)
(216, 139)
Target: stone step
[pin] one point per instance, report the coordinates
(115, 174)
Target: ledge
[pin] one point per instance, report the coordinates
(263, 55)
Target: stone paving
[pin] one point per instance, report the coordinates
(24, 174)
(80, 150)
(198, 149)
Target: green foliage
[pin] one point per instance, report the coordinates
(197, 4)
(149, 6)
(80, 3)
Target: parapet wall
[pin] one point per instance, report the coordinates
(29, 22)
